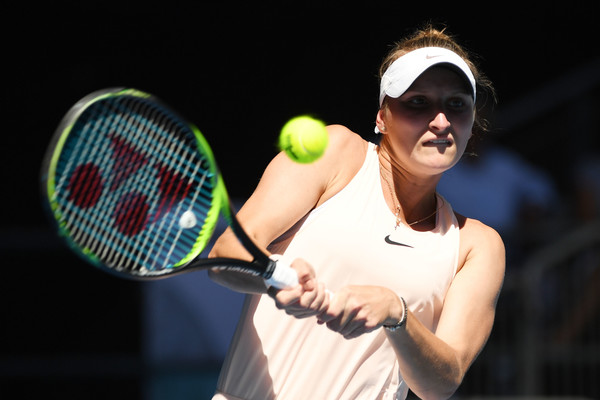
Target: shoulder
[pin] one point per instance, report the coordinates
(346, 151)
(342, 141)
(480, 244)
(343, 158)
(304, 186)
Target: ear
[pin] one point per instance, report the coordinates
(379, 121)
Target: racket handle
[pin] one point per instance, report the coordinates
(283, 276)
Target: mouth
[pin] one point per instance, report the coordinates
(438, 142)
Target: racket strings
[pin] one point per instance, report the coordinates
(173, 247)
(164, 227)
(145, 186)
(92, 229)
(170, 185)
(160, 227)
(134, 224)
(121, 162)
(132, 213)
(91, 152)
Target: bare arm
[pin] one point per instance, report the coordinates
(433, 364)
(465, 323)
(286, 192)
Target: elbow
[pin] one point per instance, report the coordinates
(437, 394)
(444, 387)
(449, 391)
(450, 384)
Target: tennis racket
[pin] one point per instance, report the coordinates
(135, 190)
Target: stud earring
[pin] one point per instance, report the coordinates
(377, 130)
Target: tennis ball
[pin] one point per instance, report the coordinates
(304, 139)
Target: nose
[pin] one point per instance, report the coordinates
(439, 123)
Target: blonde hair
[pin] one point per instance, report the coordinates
(429, 36)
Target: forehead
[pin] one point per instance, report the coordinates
(442, 77)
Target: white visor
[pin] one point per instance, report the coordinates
(403, 72)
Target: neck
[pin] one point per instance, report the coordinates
(415, 196)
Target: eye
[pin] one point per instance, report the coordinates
(459, 102)
(456, 103)
(416, 101)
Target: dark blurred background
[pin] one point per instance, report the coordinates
(239, 71)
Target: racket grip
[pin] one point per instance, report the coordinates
(284, 276)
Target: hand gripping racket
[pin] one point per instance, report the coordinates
(135, 190)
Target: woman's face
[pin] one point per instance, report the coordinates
(428, 127)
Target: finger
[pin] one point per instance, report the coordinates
(325, 298)
(299, 300)
(344, 323)
(308, 298)
(287, 297)
(359, 323)
(306, 274)
(334, 308)
(310, 303)
(321, 301)
(357, 330)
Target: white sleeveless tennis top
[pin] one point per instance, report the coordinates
(275, 356)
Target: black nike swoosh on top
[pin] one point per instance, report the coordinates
(390, 241)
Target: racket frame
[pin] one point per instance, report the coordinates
(262, 265)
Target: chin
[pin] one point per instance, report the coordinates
(439, 166)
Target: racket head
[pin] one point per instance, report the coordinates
(131, 186)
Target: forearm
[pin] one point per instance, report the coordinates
(228, 246)
(430, 367)
(434, 365)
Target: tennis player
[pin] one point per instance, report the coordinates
(397, 291)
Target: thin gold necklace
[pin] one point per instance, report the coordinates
(398, 208)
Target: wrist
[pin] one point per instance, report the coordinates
(402, 321)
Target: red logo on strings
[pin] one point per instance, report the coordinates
(132, 210)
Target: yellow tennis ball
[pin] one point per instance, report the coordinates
(304, 139)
